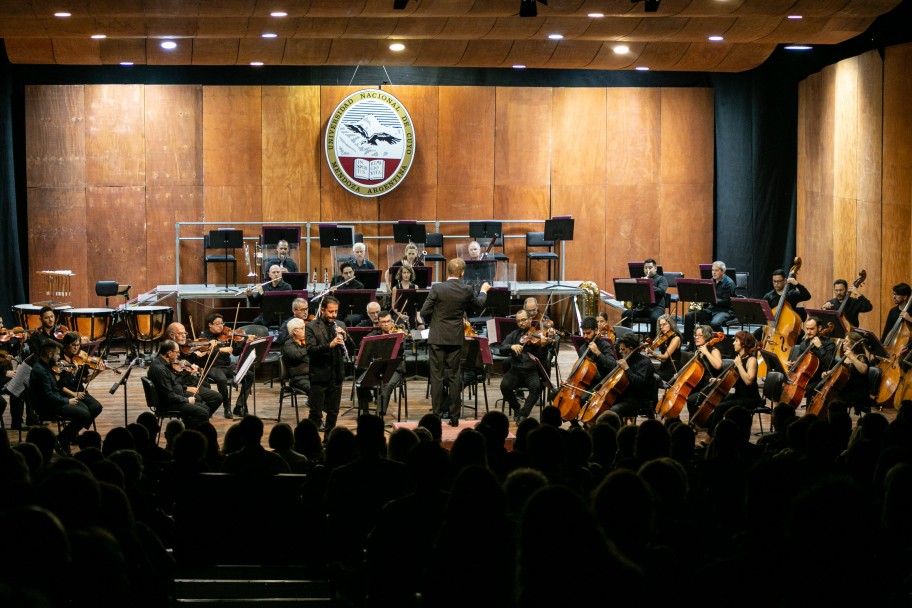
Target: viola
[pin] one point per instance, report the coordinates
(83, 358)
(15, 333)
(582, 376)
(609, 390)
(200, 345)
(184, 367)
(803, 369)
(780, 337)
(720, 388)
(837, 377)
(231, 335)
(62, 366)
(683, 383)
(896, 345)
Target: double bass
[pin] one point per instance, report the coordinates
(581, 378)
(608, 391)
(779, 337)
(858, 282)
(837, 377)
(803, 369)
(897, 346)
(683, 383)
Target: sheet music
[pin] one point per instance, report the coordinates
(19, 382)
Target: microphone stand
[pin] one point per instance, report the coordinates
(123, 381)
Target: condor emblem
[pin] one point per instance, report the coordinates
(370, 143)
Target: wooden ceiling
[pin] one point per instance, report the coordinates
(437, 33)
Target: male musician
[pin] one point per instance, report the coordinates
(599, 347)
(299, 310)
(281, 259)
(360, 261)
(444, 310)
(222, 371)
(795, 292)
(171, 393)
(857, 303)
(373, 316)
(255, 292)
(530, 305)
(47, 330)
(822, 348)
(191, 380)
(328, 345)
(387, 327)
(901, 293)
(645, 310)
(348, 274)
(523, 370)
(294, 352)
(640, 374)
(474, 251)
(46, 398)
(718, 314)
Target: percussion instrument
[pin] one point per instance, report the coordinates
(29, 315)
(91, 323)
(147, 323)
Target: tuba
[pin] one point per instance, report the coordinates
(590, 298)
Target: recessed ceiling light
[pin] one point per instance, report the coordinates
(278, 14)
(621, 49)
(795, 17)
(169, 45)
(519, 66)
(596, 15)
(716, 38)
(63, 14)
(256, 63)
(556, 36)
(269, 35)
(642, 68)
(98, 36)
(798, 47)
(397, 46)
(126, 63)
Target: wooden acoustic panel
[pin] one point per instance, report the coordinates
(686, 238)
(292, 142)
(687, 143)
(57, 240)
(232, 136)
(115, 135)
(456, 202)
(522, 131)
(174, 135)
(165, 206)
(55, 136)
(633, 138)
(586, 254)
(870, 252)
(465, 139)
(579, 137)
(116, 237)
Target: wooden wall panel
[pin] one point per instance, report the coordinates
(522, 132)
(465, 124)
(174, 135)
(685, 241)
(115, 135)
(687, 144)
(55, 136)
(514, 202)
(116, 238)
(165, 206)
(57, 239)
(585, 254)
(233, 204)
(578, 137)
(870, 252)
(292, 137)
(633, 135)
(288, 203)
(232, 136)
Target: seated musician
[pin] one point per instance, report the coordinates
(49, 327)
(171, 392)
(856, 391)
(598, 346)
(359, 258)
(644, 310)
(373, 316)
(45, 396)
(746, 390)
(639, 371)
(901, 293)
(474, 251)
(718, 314)
(405, 279)
(73, 382)
(410, 257)
(822, 348)
(281, 259)
(669, 352)
(255, 292)
(222, 371)
(387, 326)
(711, 359)
(348, 274)
(853, 307)
(523, 371)
(299, 310)
(189, 374)
(294, 352)
(795, 294)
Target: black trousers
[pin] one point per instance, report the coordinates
(325, 396)
(518, 378)
(445, 363)
(222, 376)
(80, 416)
(365, 394)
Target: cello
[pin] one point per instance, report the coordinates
(583, 374)
(803, 369)
(682, 383)
(720, 387)
(609, 390)
(897, 346)
(779, 337)
(837, 377)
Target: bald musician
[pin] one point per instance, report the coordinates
(190, 380)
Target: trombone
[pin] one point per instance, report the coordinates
(257, 256)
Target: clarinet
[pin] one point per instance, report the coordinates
(341, 332)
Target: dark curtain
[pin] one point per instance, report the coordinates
(12, 286)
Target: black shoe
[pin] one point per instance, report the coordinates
(62, 448)
(453, 422)
(228, 414)
(322, 428)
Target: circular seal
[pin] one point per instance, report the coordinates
(370, 142)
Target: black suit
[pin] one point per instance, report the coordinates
(853, 308)
(327, 370)
(173, 396)
(444, 311)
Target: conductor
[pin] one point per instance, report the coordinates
(445, 310)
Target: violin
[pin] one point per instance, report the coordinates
(780, 336)
(682, 383)
(184, 367)
(837, 377)
(231, 335)
(15, 333)
(468, 330)
(62, 366)
(200, 345)
(83, 358)
(803, 369)
(607, 393)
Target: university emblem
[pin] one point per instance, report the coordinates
(370, 143)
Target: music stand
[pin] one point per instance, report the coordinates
(638, 290)
(497, 303)
(332, 235)
(123, 382)
(826, 317)
(706, 272)
(752, 312)
(297, 280)
(351, 300)
(485, 230)
(636, 269)
(409, 232)
(410, 301)
(422, 276)
(254, 353)
(276, 306)
(872, 342)
(500, 327)
(559, 229)
(369, 278)
(271, 235)
(226, 239)
(773, 364)
(381, 354)
(697, 290)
